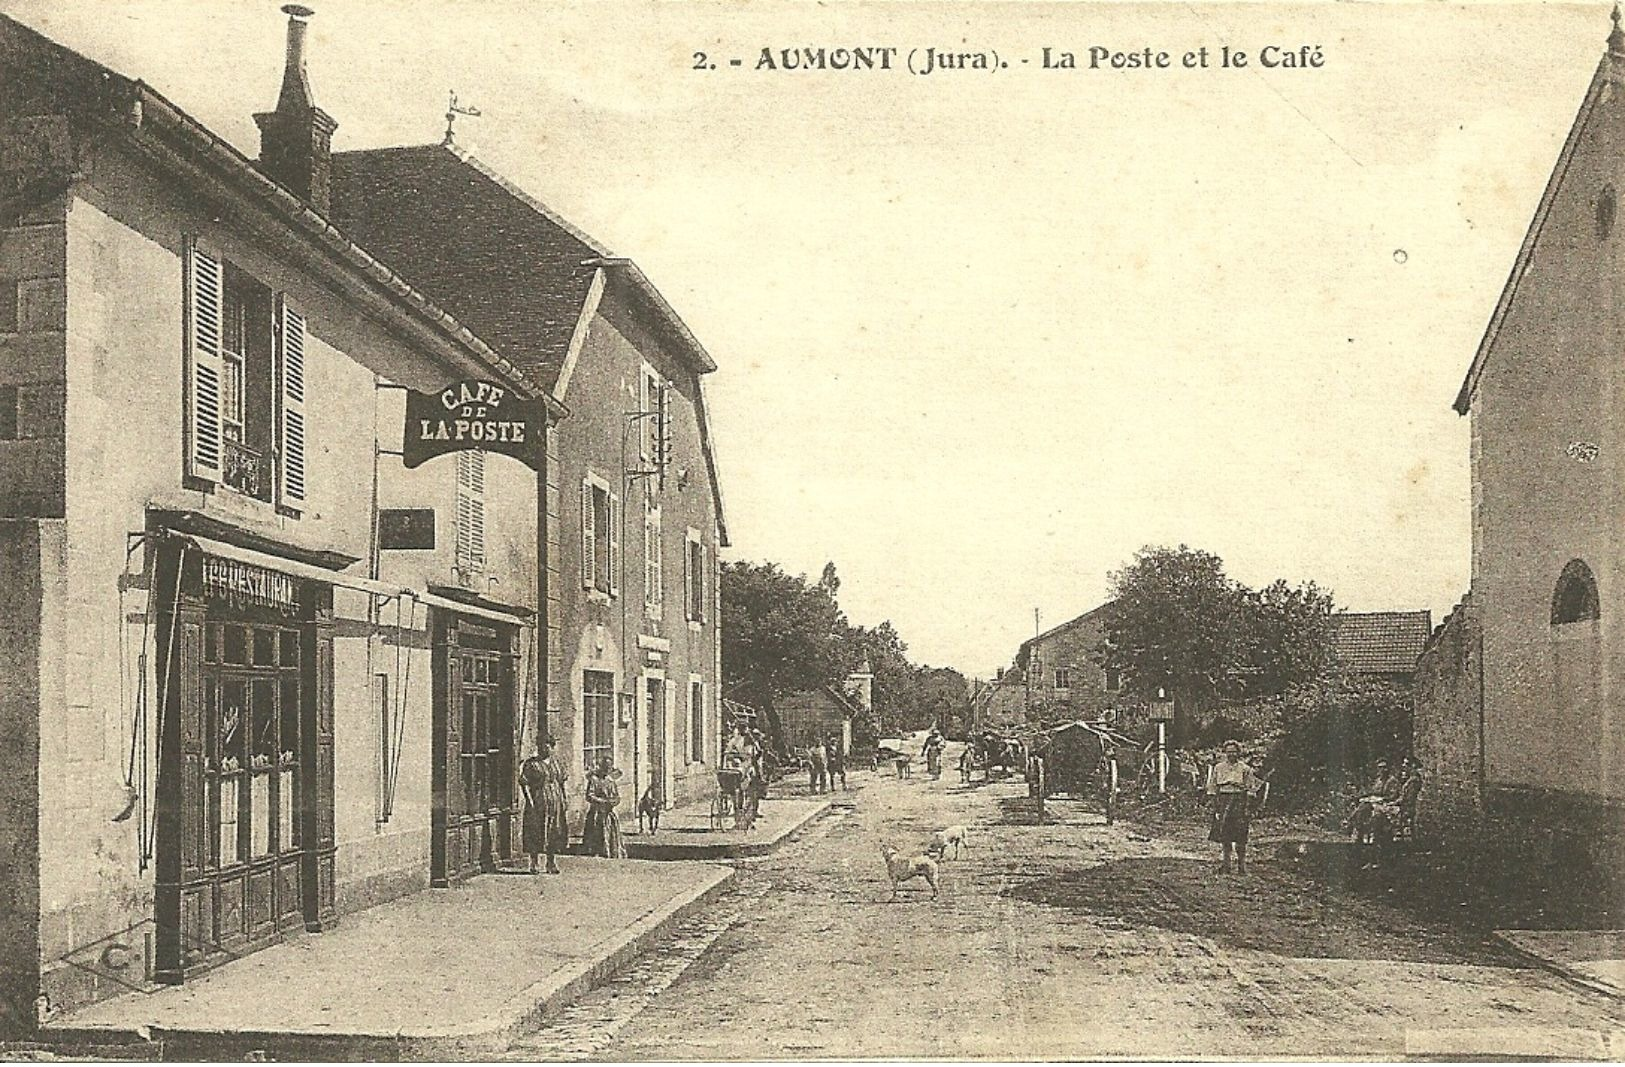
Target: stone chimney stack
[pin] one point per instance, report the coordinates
(296, 140)
(860, 686)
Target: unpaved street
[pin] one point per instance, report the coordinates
(1070, 939)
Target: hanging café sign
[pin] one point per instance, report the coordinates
(472, 415)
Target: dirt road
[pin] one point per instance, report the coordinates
(1069, 939)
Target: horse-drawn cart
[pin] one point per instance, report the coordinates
(1080, 760)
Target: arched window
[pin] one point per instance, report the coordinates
(1576, 597)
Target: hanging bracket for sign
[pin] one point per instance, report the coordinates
(472, 415)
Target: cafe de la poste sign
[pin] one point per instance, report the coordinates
(472, 415)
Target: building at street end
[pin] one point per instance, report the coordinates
(634, 505)
(1519, 708)
(1380, 646)
(1064, 673)
(258, 672)
(827, 711)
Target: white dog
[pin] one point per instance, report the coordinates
(900, 869)
(952, 835)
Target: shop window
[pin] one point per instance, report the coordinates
(251, 731)
(1575, 599)
(245, 383)
(597, 717)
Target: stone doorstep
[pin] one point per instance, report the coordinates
(476, 1039)
(680, 846)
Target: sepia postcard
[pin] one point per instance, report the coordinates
(737, 531)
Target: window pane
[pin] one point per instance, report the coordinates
(260, 814)
(211, 643)
(287, 804)
(467, 740)
(288, 741)
(233, 712)
(229, 800)
(264, 722)
(236, 644)
(264, 648)
(290, 648)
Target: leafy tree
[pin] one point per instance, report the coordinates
(779, 633)
(1289, 634)
(1178, 623)
(944, 699)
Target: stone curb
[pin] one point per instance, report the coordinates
(477, 1040)
(1563, 971)
(680, 850)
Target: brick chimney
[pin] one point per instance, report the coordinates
(296, 140)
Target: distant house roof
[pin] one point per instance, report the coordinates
(1087, 616)
(1381, 642)
(834, 695)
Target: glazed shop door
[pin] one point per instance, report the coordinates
(475, 815)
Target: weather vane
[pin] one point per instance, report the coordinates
(452, 111)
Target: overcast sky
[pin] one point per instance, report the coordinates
(982, 335)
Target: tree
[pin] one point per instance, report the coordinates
(944, 699)
(1289, 637)
(779, 633)
(1178, 623)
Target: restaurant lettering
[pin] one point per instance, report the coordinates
(471, 415)
(243, 585)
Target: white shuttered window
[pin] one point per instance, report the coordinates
(471, 511)
(205, 296)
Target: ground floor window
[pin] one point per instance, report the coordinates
(597, 717)
(696, 722)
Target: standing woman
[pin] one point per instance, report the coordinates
(545, 829)
(1230, 786)
(602, 834)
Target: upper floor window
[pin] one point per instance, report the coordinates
(654, 562)
(600, 537)
(694, 582)
(1112, 679)
(245, 385)
(1575, 599)
(471, 511)
(1063, 677)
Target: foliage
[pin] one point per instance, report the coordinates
(779, 633)
(1180, 625)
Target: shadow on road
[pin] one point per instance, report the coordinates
(1266, 911)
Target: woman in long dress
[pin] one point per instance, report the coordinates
(1230, 787)
(545, 829)
(602, 834)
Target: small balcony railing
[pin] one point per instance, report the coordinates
(247, 471)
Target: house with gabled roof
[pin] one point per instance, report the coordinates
(633, 501)
(236, 705)
(1380, 644)
(1063, 669)
(1521, 713)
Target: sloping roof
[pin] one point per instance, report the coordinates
(1381, 642)
(1537, 226)
(836, 697)
(1087, 616)
(501, 261)
(153, 124)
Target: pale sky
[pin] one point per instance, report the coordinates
(982, 335)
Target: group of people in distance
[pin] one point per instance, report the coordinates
(1384, 806)
(825, 763)
(544, 828)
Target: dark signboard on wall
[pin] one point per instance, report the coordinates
(472, 415)
(406, 528)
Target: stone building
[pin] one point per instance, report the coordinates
(1380, 645)
(825, 712)
(232, 709)
(1063, 671)
(1542, 627)
(634, 505)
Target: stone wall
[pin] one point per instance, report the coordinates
(1447, 722)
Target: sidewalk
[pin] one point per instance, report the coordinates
(1592, 958)
(441, 974)
(686, 833)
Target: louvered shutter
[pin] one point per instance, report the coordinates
(589, 539)
(205, 285)
(645, 434)
(614, 545)
(291, 435)
(699, 580)
(476, 531)
(688, 581)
